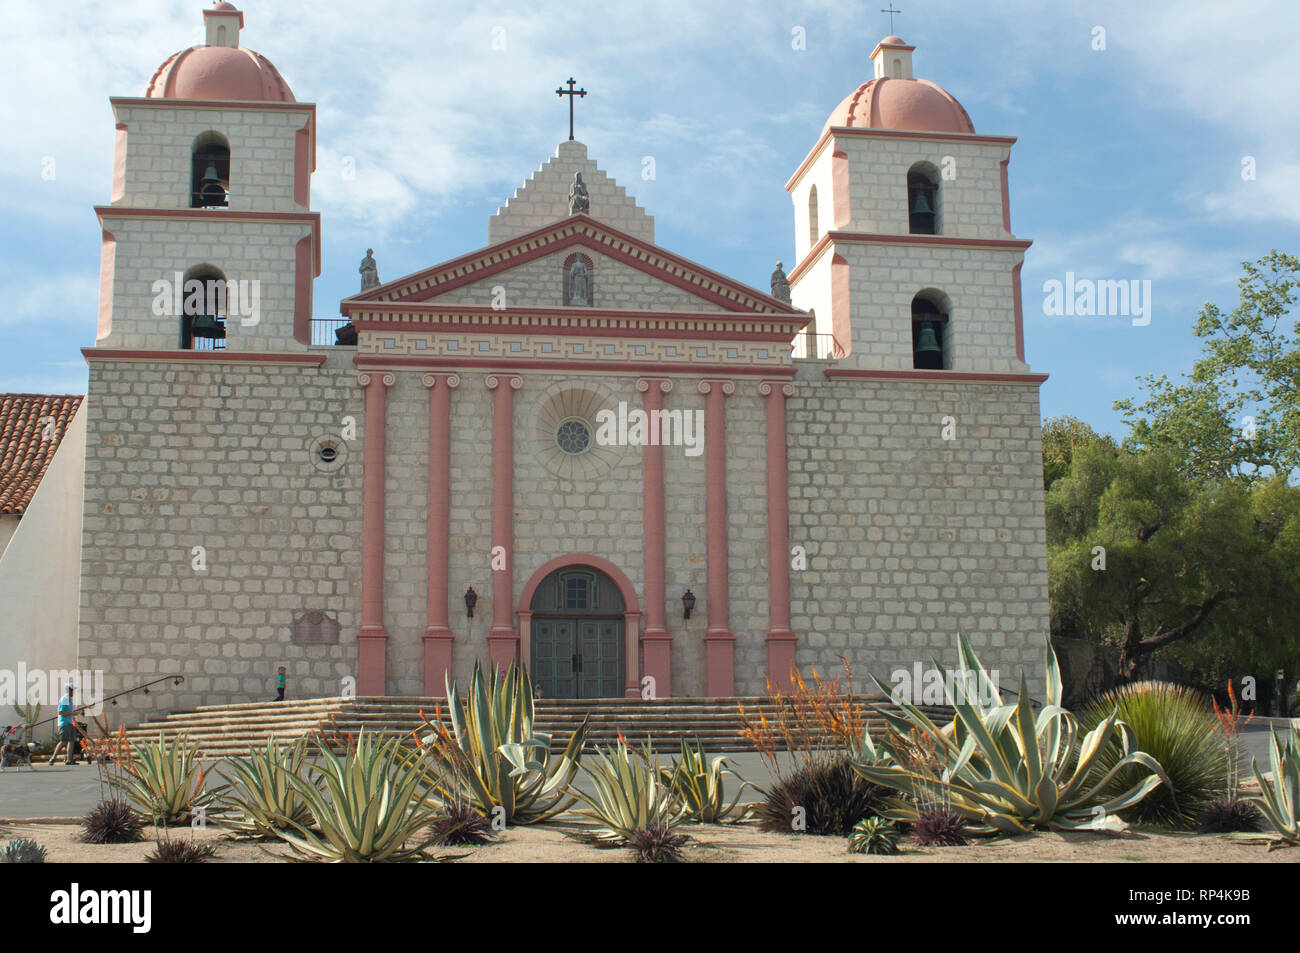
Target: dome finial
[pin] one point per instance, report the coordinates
(223, 22)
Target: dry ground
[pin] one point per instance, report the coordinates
(731, 844)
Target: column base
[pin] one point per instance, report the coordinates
(438, 642)
(781, 644)
(372, 662)
(720, 664)
(657, 661)
(503, 648)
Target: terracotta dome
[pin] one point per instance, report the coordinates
(914, 104)
(219, 73)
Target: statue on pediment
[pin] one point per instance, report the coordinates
(579, 201)
(369, 271)
(780, 284)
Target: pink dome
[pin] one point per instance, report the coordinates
(219, 73)
(892, 41)
(913, 104)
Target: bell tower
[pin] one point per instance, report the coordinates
(209, 241)
(903, 231)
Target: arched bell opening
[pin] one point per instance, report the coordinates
(923, 208)
(931, 344)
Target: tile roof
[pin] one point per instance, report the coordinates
(24, 454)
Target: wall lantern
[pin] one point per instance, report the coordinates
(471, 600)
(688, 603)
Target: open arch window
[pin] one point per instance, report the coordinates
(203, 310)
(812, 217)
(210, 171)
(931, 347)
(923, 200)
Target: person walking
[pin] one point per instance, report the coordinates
(279, 684)
(67, 729)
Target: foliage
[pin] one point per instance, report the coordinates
(22, 851)
(824, 798)
(1175, 726)
(1249, 368)
(164, 780)
(1279, 797)
(1180, 558)
(111, 822)
(1002, 769)
(874, 835)
(461, 825)
(168, 851)
(940, 828)
(1230, 815)
(700, 786)
(492, 757)
(369, 806)
(657, 844)
(261, 792)
(815, 724)
(1062, 436)
(629, 795)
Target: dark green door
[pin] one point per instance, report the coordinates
(577, 635)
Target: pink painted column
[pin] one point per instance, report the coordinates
(503, 644)
(780, 639)
(372, 640)
(719, 643)
(438, 637)
(656, 641)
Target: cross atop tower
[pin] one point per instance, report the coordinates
(891, 11)
(571, 92)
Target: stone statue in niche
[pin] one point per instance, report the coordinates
(579, 201)
(579, 284)
(369, 271)
(780, 284)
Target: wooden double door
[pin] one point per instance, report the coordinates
(578, 636)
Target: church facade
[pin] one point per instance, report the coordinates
(571, 448)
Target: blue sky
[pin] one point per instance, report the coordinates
(1128, 165)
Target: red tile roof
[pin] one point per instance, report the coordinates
(28, 441)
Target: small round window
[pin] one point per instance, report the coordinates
(327, 454)
(573, 436)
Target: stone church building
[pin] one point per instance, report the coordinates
(571, 447)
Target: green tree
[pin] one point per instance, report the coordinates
(1237, 414)
(1061, 435)
(1142, 555)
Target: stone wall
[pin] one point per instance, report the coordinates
(218, 456)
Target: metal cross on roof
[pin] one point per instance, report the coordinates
(891, 11)
(571, 92)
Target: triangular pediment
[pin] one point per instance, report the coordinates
(626, 273)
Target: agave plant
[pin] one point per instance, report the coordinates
(22, 851)
(629, 796)
(1279, 795)
(493, 758)
(700, 786)
(265, 803)
(372, 805)
(164, 780)
(874, 835)
(1005, 771)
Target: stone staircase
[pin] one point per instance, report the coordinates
(224, 730)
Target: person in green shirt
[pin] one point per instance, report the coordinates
(279, 684)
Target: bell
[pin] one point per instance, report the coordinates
(210, 176)
(929, 355)
(922, 204)
(211, 191)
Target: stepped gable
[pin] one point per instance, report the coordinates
(544, 198)
(28, 442)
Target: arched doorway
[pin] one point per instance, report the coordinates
(578, 631)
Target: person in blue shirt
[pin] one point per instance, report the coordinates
(67, 729)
